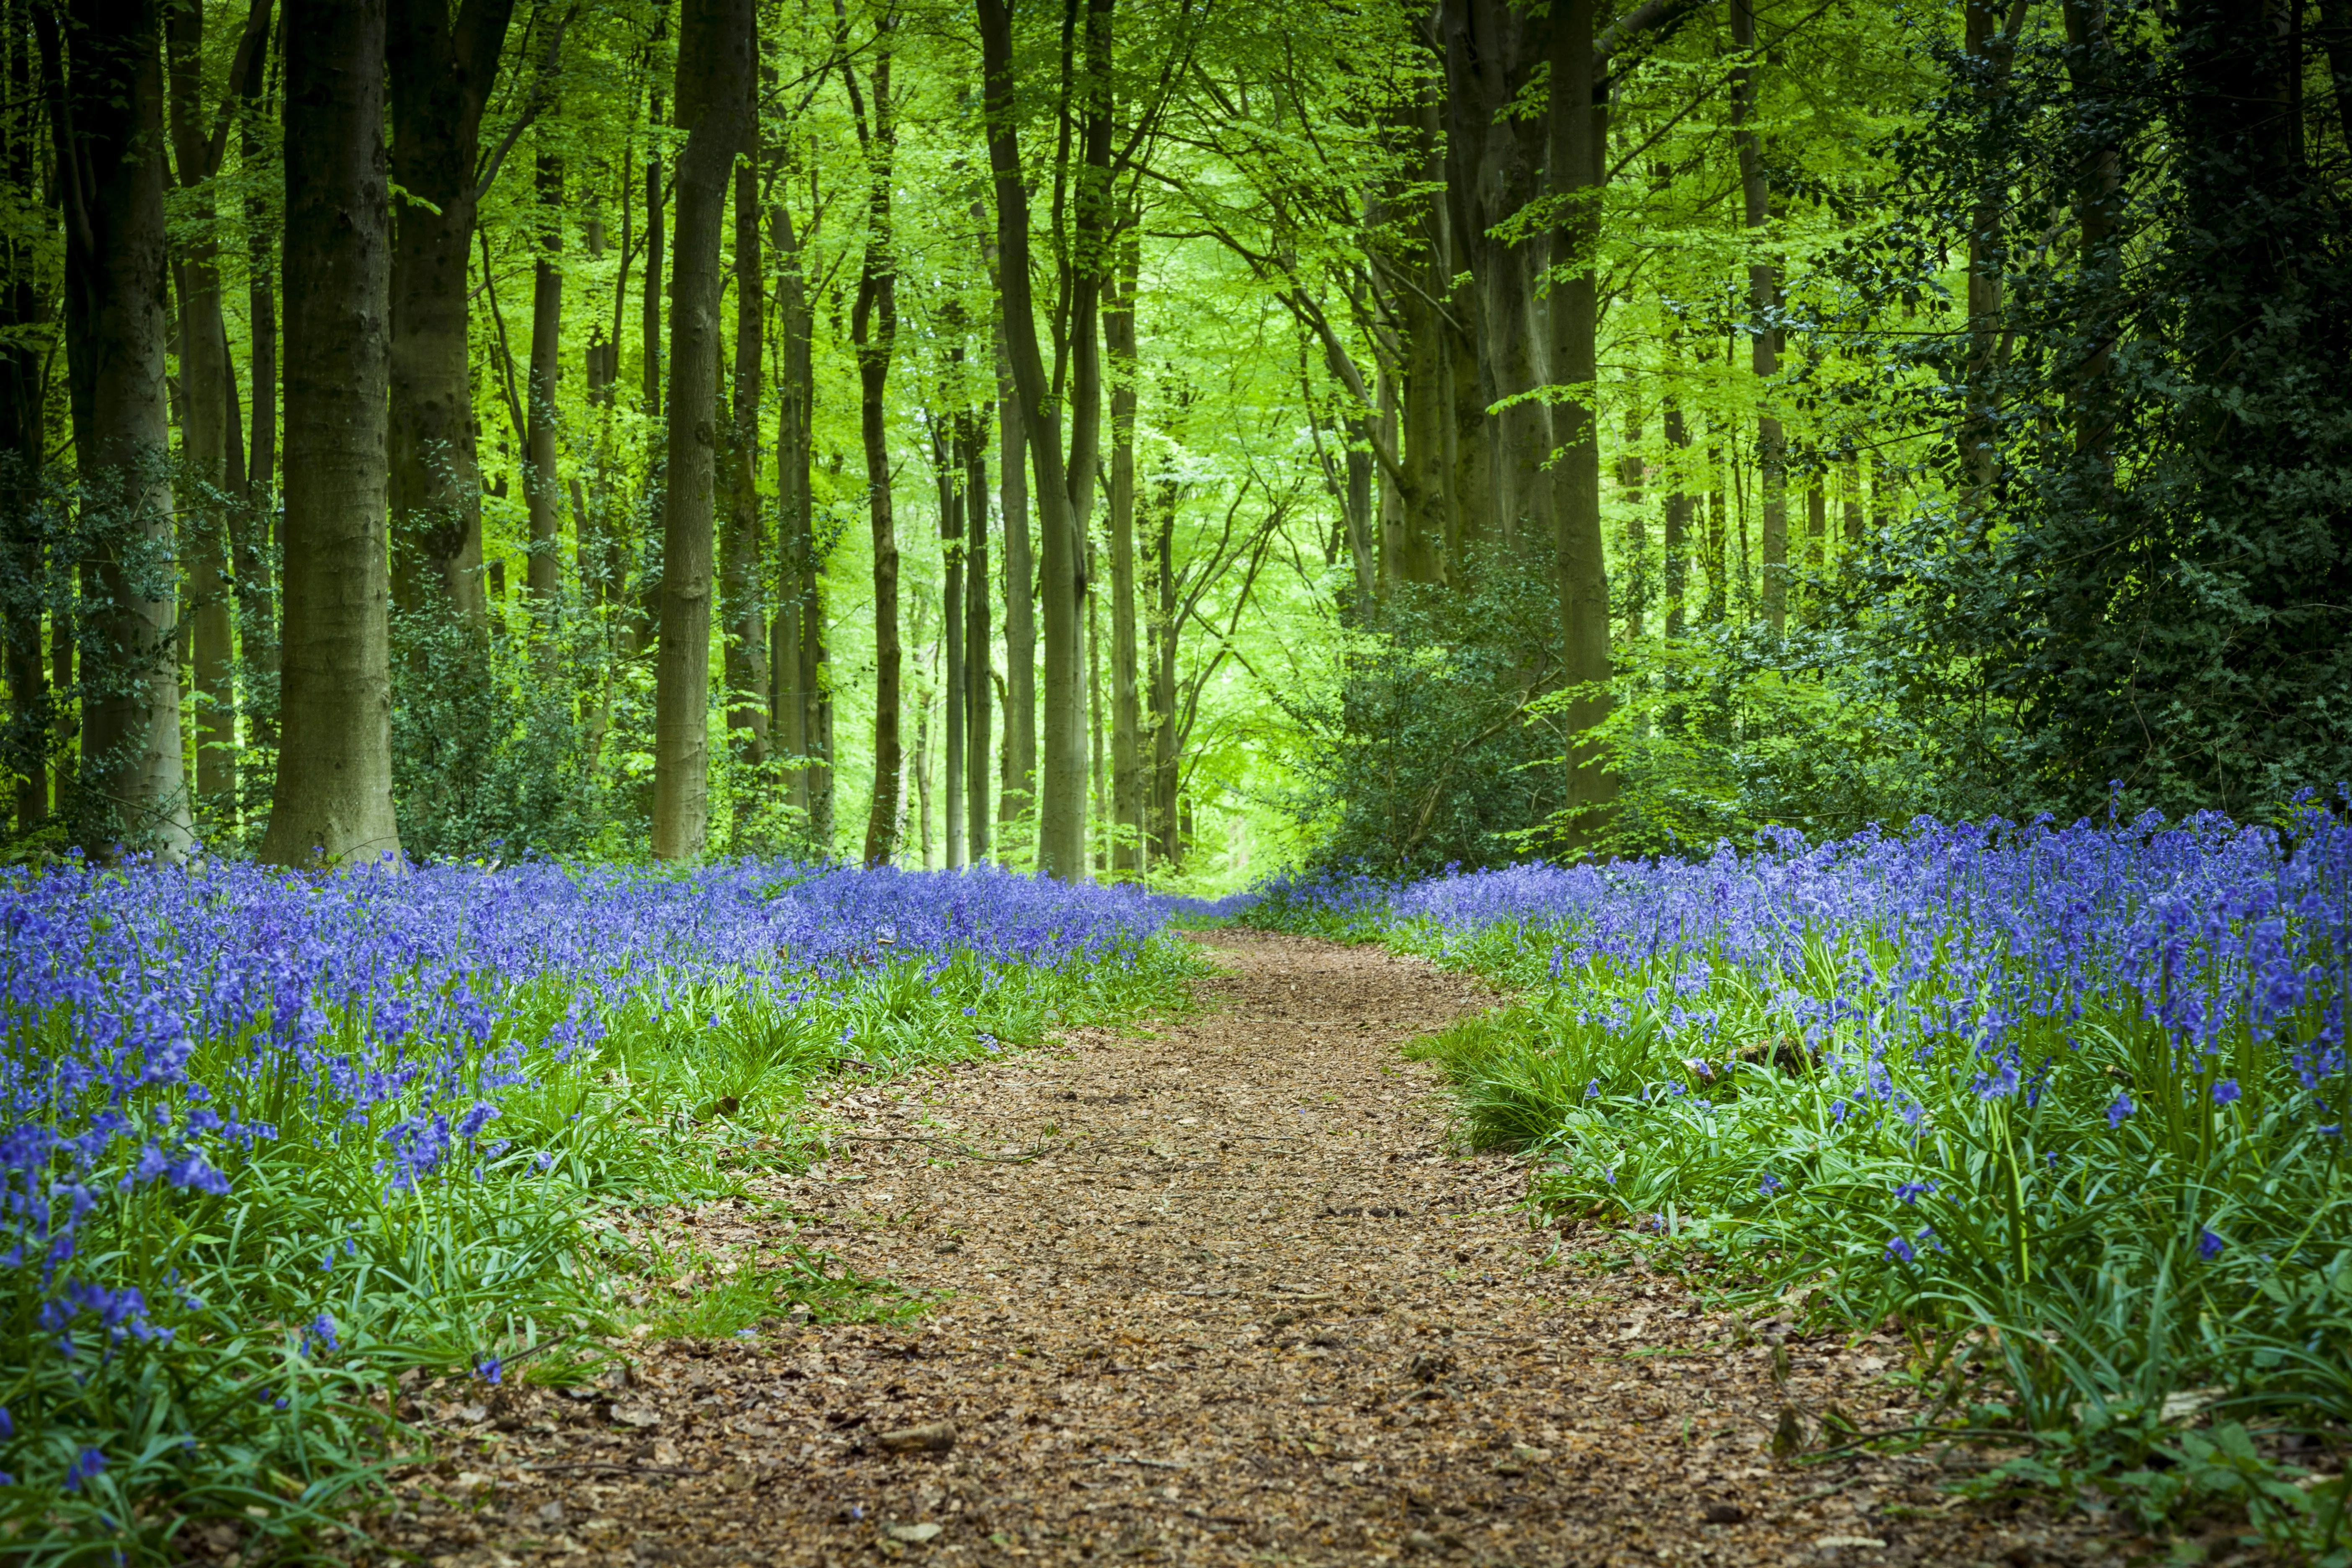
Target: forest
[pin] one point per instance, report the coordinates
(771, 763)
(1173, 442)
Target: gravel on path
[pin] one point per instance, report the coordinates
(1222, 1292)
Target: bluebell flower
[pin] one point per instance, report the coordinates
(2225, 1092)
(1900, 1250)
(2208, 1245)
(1769, 1184)
(2122, 1108)
(490, 1370)
(1910, 1193)
(86, 1466)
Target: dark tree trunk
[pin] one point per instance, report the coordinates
(1127, 716)
(1576, 162)
(713, 95)
(741, 602)
(24, 571)
(1678, 522)
(874, 329)
(333, 794)
(947, 454)
(978, 659)
(542, 487)
(1019, 599)
(1763, 303)
(249, 524)
(801, 724)
(442, 68)
(107, 90)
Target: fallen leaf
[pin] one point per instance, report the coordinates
(914, 1534)
(931, 1437)
(643, 1417)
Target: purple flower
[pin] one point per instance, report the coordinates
(490, 1370)
(2208, 1245)
(1900, 1250)
(2122, 1108)
(1910, 1193)
(1769, 1184)
(2225, 1092)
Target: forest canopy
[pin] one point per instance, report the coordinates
(1163, 438)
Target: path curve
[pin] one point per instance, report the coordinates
(1247, 1306)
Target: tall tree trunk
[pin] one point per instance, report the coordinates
(208, 397)
(1995, 48)
(1019, 599)
(948, 456)
(1127, 717)
(1577, 170)
(978, 657)
(1632, 472)
(333, 794)
(650, 317)
(109, 144)
(801, 725)
(24, 571)
(2098, 193)
(1763, 304)
(714, 97)
(1166, 847)
(541, 487)
(249, 524)
(742, 605)
(1678, 518)
(1491, 50)
(874, 329)
(442, 68)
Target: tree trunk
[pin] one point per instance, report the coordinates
(2098, 193)
(1763, 304)
(334, 795)
(442, 70)
(1126, 718)
(874, 329)
(24, 571)
(741, 602)
(109, 136)
(1020, 601)
(1632, 472)
(542, 487)
(713, 95)
(977, 657)
(797, 655)
(1491, 50)
(207, 401)
(948, 456)
(1577, 169)
(1995, 48)
(1678, 520)
(1166, 847)
(249, 524)
(650, 317)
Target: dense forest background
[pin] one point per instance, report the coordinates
(1164, 437)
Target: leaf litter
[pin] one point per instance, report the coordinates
(1223, 1291)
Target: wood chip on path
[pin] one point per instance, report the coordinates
(1247, 1305)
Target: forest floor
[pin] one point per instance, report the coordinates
(1220, 1292)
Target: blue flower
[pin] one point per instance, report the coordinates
(1769, 1184)
(1900, 1250)
(2226, 1092)
(1910, 1193)
(85, 1467)
(2122, 1108)
(2208, 1245)
(490, 1370)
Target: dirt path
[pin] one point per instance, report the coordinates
(1247, 1307)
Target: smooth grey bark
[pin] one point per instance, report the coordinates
(713, 95)
(106, 82)
(950, 460)
(1677, 543)
(250, 523)
(442, 66)
(332, 800)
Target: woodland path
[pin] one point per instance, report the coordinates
(1248, 1306)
